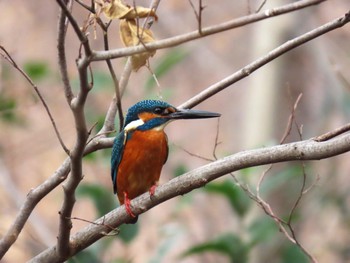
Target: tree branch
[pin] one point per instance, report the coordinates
(180, 39)
(303, 150)
(77, 106)
(82, 37)
(273, 54)
(62, 62)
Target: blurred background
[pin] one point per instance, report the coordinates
(218, 223)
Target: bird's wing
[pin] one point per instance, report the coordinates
(117, 154)
(167, 148)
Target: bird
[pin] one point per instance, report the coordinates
(141, 148)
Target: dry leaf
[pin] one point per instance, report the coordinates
(116, 9)
(133, 35)
(140, 12)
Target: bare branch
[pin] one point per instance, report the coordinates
(83, 39)
(112, 72)
(290, 120)
(180, 39)
(62, 62)
(261, 6)
(304, 150)
(273, 54)
(198, 14)
(36, 194)
(77, 106)
(332, 134)
(90, 8)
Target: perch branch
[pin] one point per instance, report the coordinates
(303, 150)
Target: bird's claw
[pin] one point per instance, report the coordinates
(128, 205)
(152, 190)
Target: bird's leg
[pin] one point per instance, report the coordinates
(127, 205)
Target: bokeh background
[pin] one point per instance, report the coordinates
(217, 223)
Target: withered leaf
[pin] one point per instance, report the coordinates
(133, 35)
(116, 9)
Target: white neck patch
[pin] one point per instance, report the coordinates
(133, 125)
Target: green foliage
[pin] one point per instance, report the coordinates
(171, 235)
(237, 198)
(292, 254)
(179, 170)
(262, 230)
(85, 256)
(229, 245)
(36, 70)
(102, 81)
(172, 58)
(7, 109)
(128, 232)
(102, 198)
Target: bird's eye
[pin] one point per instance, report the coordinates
(158, 110)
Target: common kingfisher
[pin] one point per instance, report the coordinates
(141, 148)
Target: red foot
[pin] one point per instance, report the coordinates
(127, 205)
(152, 190)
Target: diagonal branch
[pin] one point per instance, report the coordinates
(303, 150)
(273, 54)
(180, 39)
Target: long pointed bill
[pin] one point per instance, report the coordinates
(192, 114)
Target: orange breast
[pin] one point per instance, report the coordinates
(141, 164)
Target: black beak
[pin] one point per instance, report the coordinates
(192, 114)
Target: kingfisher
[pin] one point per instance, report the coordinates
(141, 148)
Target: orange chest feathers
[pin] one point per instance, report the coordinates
(142, 161)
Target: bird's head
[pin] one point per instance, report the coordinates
(155, 114)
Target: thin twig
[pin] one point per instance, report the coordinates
(290, 120)
(90, 8)
(83, 39)
(198, 14)
(116, 230)
(216, 139)
(329, 135)
(8, 57)
(104, 28)
(260, 6)
(195, 155)
(286, 133)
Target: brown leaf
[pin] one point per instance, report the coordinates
(133, 35)
(116, 9)
(140, 12)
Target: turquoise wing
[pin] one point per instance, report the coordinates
(117, 154)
